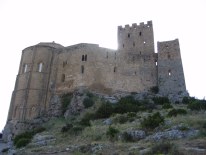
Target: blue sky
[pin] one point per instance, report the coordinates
(27, 22)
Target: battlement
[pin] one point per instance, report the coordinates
(135, 26)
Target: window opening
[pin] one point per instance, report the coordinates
(128, 35)
(63, 78)
(82, 57)
(25, 68)
(82, 69)
(85, 57)
(115, 69)
(140, 33)
(169, 73)
(133, 44)
(140, 52)
(156, 63)
(40, 67)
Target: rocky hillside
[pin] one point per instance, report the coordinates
(123, 124)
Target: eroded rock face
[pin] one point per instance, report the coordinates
(55, 108)
(137, 134)
(42, 140)
(76, 105)
(176, 132)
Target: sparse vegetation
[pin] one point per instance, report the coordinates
(65, 100)
(88, 102)
(175, 112)
(112, 133)
(152, 121)
(164, 148)
(23, 139)
(161, 100)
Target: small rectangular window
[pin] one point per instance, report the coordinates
(82, 69)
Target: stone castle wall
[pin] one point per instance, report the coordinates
(49, 68)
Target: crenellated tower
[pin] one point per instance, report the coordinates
(138, 38)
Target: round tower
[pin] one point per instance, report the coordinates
(31, 89)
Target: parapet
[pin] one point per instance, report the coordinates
(134, 26)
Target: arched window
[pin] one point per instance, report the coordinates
(63, 78)
(40, 67)
(25, 68)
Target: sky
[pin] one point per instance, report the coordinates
(25, 23)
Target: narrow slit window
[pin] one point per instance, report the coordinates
(82, 69)
(85, 57)
(115, 69)
(40, 67)
(82, 57)
(169, 73)
(25, 68)
(128, 35)
(156, 63)
(63, 78)
(133, 44)
(140, 33)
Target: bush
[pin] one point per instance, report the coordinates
(161, 100)
(126, 104)
(167, 106)
(153, 121)
(196, 104)
(88, 102)
(112, 133)
(85, 121)
(121, 119)
(175, 112)
(104, 111)
(65, 100)
(76, 130)
(66, 128)
(24, 138)
(154, 89)
(22, 142)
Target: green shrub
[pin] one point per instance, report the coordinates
(131, 114)
(121, 119)
(112, 133)
(154, 89)
(24, 138)
(25, 135)
(89, 94)
(167, 106)
(152, 121)
(160, 100)
(88, 102)
(104, 111)
(126, 104)
(76, 130)
(22, 142)
(175, 112)
(65, 100)
(85, 121)
(66, 128)
(196, 104)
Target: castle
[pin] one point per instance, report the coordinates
(49, 68)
